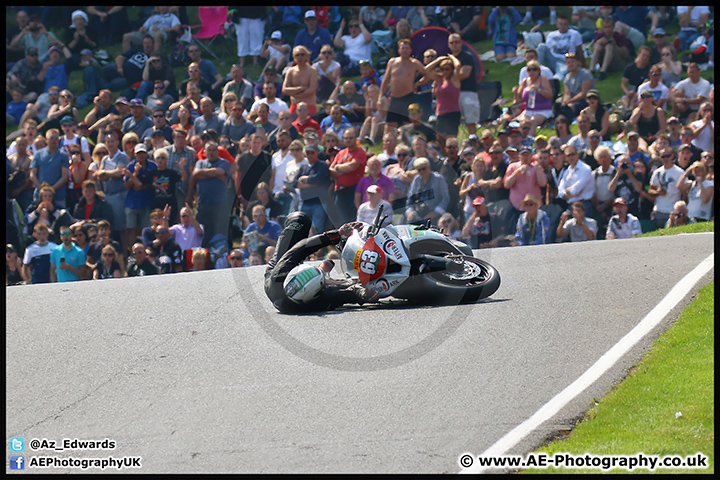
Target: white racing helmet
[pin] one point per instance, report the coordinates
(304, 283)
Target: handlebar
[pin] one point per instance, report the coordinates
(375, 227)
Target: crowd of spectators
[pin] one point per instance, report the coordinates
(168, 175)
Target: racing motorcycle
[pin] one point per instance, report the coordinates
(417, 263)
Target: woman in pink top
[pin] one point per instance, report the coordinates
(447, 94)
(535, 93)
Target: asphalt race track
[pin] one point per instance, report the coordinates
(197, 373)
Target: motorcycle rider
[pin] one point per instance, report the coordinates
(294, 287)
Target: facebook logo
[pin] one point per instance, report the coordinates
(17, 444)
(17, 462)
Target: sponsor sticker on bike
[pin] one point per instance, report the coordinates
(369, 262)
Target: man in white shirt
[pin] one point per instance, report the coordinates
(356, 46)
(558, 43)
(663, 186)
(278, 178)
(577, 183)
(275, 104)
(158, 26)
(688, 94)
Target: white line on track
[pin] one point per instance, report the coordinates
(604, 363)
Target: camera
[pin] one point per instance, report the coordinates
(624, 166)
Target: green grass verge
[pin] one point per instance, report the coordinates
(692, 228)
(640, 413)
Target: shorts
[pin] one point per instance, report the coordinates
(447, 124)
(529, 114)
(470, 107)
(398, 109)
(504, 48)
(137, 218)
(312, 109)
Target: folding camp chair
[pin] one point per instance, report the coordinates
(490, 96)
(212, 25)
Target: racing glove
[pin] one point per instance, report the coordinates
(343, 232)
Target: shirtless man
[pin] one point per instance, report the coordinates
(400, 77)
(301, 81)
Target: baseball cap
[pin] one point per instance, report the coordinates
(673, 120)
(659, 31)
(9, 247)
(122, 100)
(270, 69)
(31, 51)
(646, 94)
(67, 119)
(373, 189)
(414, 107)
(467, 151)
(140, 147)
(364, 62)
(514, 130)
(310, 14)
(633, 133)
(593, 93)
(524, 149)
(541, 138)
(472, 137)
(86, 51)
(478, 201)
(276, 35)
(511, 148)
(311, 148)
(54, 48)
(136, 102)
(620, 201)
(310, 133)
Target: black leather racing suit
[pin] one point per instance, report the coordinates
(293, 247)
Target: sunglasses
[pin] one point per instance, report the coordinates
(235, 258)
(666, 156)
(529, 204)
(66, 234)
(421, 169)
(108, 255)
(533, 69)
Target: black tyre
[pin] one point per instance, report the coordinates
(473, 280)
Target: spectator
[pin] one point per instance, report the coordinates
(585, 18)
(453, 168)
(501, 27)
(240, 86)
(347, 168)
(671, 67)
(158, 26)
(165, 182)
(558, 43)
(195, 77)
(679, 215)
(269, 75)
(159, 99)
(622, 224)
(634, 75)
(313, 183)
(104, 106)
(337, 123)
(211, 178)
(208, 71)
(655, 86)
(51, 165)
(157, 72)
(367, 211)
(470, 187)
(275, 51)
(530, 55)
(91, 208)
(47, 211)
(14, 274)
(562, 132)
(428, 196)
(703, 131)
(634, 149)
(301, 81)
(401, 173)
(34, 34)
(267, 231)
(587, 154)
(577, 83)
(466, 21)
(53, 72)
(20, 161)
(36, 261)
(576, 183)
(699, 190)
(533, 224)
(579, 228)
(581, 140)
(312, 37)
(648, 118)
(200, 260)
(35, 112)
(140, 265)
(208, 120)
(598, 114)
(169, 256)
(111, 171)
(536, 94)
(265, 199)
(249, 23)
(690, 19)
(478, 229)
(374, 177)
(67, 260)
(376, 110)
(602, 199)
(447, 88)
(77, 173)
(368, 76)
(14, 54)
(663, 186)
(356, 46)
(469, 101)
(634, 20)
(128, 67)
(658, 46)
(611, 50)
(275, 105)
(687, 95)
(352, 103)
(61, 111)
(304, 122)
(140, 192)
(23, 75)
(522, 178)
(372, 17)
(236, 258)
(237, 126)
(328, 72)
(138, 123)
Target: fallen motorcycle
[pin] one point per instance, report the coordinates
(417, 263)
